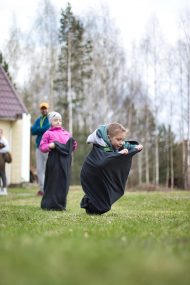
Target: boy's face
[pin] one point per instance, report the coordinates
(56, 122)
(118, 140)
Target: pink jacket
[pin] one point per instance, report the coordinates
(55, 134)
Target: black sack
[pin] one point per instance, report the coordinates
(57, 176)
(103, 178)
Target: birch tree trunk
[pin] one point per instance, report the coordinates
(156, 119)
(181, 130)
(185, 58)
(167, 160)
(69, 92)
(171, 159)
(188, 127)
(147, 167)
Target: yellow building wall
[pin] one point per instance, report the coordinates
(16, 151)
(18, 135)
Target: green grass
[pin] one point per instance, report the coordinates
(144, 239)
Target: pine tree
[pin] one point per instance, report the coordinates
(74, 65)
(5, 66)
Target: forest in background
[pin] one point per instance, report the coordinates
(79, 66)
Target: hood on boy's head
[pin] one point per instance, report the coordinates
(54, 115)
(102, 132)
(99, 136)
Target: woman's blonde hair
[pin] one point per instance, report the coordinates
(115, 128)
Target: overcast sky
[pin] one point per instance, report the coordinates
(130, 16)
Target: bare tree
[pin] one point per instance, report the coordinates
(40, 52)
(46, 26)
(153, 49)
(185, 57)
(105, 91)
(180, 64)
(12, 49)
(170, 79)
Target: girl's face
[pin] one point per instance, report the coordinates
(118, 140)
(56, 122)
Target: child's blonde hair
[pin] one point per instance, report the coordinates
(115, 128)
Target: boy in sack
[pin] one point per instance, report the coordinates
(106, 168)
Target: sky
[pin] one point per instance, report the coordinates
(130, 16)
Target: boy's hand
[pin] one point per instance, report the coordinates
(124, 151)
(139, 147)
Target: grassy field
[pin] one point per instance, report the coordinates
(144, 239)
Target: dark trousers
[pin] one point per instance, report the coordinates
(3, 178)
